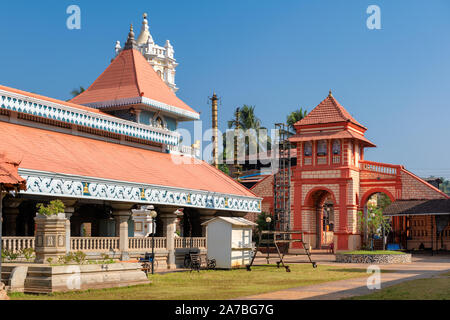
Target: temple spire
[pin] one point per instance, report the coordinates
(131, 43)
(145, 33)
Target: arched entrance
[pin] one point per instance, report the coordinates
(323, 217)
(375, 199)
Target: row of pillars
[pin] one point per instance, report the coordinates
(121, 214)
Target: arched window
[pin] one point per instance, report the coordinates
(336, 147)
(159, 73)
(158, 122)
(322, 148)
(308, 149)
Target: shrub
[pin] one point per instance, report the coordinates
(55, 207)
(27, 253)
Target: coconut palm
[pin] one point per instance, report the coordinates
(294, 117)
(76, 92)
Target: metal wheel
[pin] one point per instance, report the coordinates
(314, 265)
(187, 263)
(278, 264)
(287, 269)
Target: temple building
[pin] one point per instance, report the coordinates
(332, 181)
(111, 151)
(160, 58)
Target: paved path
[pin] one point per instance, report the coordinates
(423, 266)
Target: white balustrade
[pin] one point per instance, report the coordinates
(141, 243)
(378, 167)
(187, 242)
(94, 244)
(16, 244)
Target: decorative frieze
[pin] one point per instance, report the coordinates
(65, 113)
(50, 184)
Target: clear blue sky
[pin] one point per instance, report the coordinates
(276, 55)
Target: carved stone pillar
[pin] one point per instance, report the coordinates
(206, 215)
(69, 210)
(10, 214)
(122, 213)
(168, 217)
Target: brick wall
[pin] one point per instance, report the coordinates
(415, 188)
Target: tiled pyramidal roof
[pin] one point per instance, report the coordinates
(328, 111)
(130, 79)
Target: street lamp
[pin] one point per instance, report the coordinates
(153, 215)
(268, 220)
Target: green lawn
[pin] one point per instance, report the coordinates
(436, 288)
(371, 252)
(211, 284)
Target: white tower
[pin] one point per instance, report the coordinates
(160, 58)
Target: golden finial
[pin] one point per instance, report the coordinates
(189, 198)
(330, 94)
(85, 190)
(143, 193)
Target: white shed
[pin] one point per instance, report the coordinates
(229, 241)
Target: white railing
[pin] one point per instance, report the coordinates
(185, 150)
(379, 167)
(141, 243)
(15, 244)
(94, 244)
(190, 242)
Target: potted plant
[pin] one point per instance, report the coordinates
(50, 231)
(54, 210)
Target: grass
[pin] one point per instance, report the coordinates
(211, 285)
(371, 252)
(436, 288)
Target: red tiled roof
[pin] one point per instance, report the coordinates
(9, 178)
(328, 111)
(344, 134)
(51, 151)
(130, 76)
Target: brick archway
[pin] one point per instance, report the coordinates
(315, 200)
(371, 192)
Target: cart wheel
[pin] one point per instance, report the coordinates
(278, 264)
(314, 265)
(287, 269)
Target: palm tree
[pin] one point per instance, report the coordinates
(76, 92)
(294, 117)
(246, 119)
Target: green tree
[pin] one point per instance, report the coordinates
(375, 224)
(246, 119)
(294, 117)
(76, 92)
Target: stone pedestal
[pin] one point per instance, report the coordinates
(50, 237)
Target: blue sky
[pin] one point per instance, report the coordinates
(276, 55)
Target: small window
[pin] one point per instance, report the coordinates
(159, 123)
(308, 149)
(321, 148)
(336, 147)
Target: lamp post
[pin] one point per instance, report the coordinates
(268, 220)
(153, 215)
